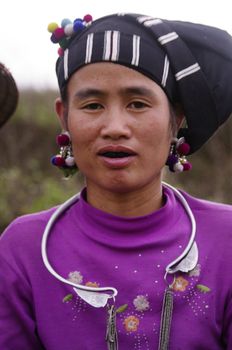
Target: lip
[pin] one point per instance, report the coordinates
(116, 163)
(116, 148)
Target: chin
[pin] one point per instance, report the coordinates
(123, 187)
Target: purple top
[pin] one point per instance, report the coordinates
(95, 248)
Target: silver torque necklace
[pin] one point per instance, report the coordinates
(105, 296)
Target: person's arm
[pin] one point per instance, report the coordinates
(17, 324)
(227, 327)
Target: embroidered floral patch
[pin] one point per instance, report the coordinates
(141, 303)
(92, 284)
(131, 323)
(75, 277)
(180, 284)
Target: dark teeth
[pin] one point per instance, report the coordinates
(116, 154)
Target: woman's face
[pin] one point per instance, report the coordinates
(119, 122)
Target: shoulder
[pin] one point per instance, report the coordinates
(213, 216)
(201, 205)
(25, 231)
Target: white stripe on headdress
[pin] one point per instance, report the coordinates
(152, 22)
(136, 50)
(115, 45)
(187, 71)
(89, 48)
(164, 39)
(142, 19)
(107, 45)
(66, 64)
(165, 71)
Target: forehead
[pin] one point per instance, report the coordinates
(110, 75)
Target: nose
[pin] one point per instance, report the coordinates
(116, 125)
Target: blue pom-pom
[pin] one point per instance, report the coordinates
(78, 25)
(65, 21)
(53, 160)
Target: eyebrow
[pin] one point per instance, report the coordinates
(139, 90)
(88, 92)
(130, 90)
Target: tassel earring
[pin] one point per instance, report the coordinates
(65, 160)
(177, 161)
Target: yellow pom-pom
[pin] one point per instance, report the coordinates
(52, 26)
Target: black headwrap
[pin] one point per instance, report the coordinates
(191, 62)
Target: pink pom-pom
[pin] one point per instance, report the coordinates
(59, 33)
(60, 52)
(63, 140)
(183, 149)
(88, 18)
(187, 166)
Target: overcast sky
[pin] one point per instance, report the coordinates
(26, 48)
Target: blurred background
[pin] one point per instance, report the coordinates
(28, 182)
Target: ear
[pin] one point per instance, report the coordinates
(61, 113)
(180, 117)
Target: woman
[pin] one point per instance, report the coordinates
(130, 263)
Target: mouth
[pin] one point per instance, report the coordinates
(116, 151)
(116, 156)
(111, 154)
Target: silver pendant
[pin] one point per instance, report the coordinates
(166, 320)
(95, 299)
(188, 263)
(111, 331)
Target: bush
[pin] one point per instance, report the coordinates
(28, 181)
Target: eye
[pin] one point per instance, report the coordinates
(138, 105)
(93, 106)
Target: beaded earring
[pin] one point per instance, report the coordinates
(65, 160)
(177, 161)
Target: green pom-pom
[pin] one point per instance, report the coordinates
(63, 43)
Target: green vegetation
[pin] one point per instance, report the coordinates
(29, 183)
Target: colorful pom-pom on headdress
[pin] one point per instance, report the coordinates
(63, 33)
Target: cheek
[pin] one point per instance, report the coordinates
(80, 130)
(158, 133)
(83, 138)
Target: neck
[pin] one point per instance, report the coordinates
(130, 204)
